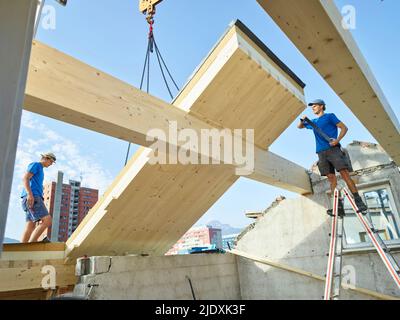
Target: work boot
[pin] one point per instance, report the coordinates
(329, 212)
(45, 240)
(360, 204)
(341, 212)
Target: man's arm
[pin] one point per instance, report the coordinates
(301, 124)
(343, 131)
(30, 199)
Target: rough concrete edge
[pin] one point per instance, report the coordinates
(276, 203)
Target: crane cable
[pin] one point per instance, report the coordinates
(151, 45)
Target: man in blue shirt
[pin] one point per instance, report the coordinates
(37, 216)
(330, 155)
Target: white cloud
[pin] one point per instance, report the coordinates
(71, 159)
(27, 121)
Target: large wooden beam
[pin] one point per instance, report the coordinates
(32, 275)
(315, 27)
(66, 89)
(33, 251)
(148, 208)
(23, 266)
(278, 171)
(242, 84)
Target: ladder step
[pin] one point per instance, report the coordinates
(395, 265)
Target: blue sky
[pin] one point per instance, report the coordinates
(112, 36)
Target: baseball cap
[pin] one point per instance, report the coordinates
(49, 155)
(317, 101)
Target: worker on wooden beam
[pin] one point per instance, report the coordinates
(330, 155)
(38, 218)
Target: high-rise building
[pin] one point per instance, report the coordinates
(197, 237)
(68, 204)
(228, 241)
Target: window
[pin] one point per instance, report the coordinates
(381, 211)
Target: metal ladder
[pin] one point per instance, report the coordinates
(334, 269)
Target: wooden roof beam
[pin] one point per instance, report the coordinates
(149, 207)
(315, 27)
(65, 89)
(30, 276)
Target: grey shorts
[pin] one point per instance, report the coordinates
(37, 212)
(331, 160)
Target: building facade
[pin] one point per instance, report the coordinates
(229, 241)
(68, 205)
(203, 236)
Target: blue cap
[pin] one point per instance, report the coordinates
(317, 101)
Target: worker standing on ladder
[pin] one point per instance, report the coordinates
(330, 155)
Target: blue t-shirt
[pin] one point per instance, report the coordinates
(328, 124)
(36, 182)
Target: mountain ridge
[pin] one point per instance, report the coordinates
(226, 229)
(10, 240)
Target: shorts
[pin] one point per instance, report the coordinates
(37, 212)
(331, 159)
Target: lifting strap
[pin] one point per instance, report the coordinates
(151, 45)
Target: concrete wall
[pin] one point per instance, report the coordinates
(296, 233)
(366, 155)
(213, 276)
(299, 238)
(293, 233)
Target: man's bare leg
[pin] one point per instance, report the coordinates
(46, 222)
(29, 227)
(350, 183)
(333, 181)
(44, 234)
(352, 186)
